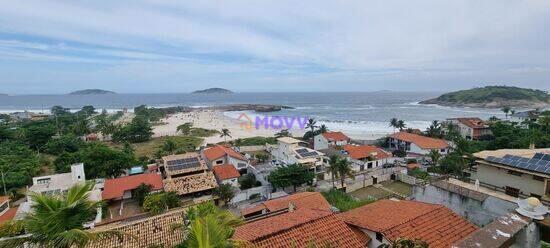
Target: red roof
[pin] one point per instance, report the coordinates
(364, 151)
(335, 136)
(299, 228)
(219, 151)
(8, 215)
(226, 171)
(432, 223)
(114, 188)
(421, 141)
(473, 122)
(299, 200)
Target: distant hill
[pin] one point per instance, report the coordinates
(213, 91)
(91, 92)
(493, 97)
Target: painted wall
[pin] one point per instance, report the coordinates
(499, 177)
(320, 142)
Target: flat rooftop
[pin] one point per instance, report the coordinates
(526, 153)
(58, 182)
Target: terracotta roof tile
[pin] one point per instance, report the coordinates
(300, 200)
(434, 224)
(335, 136)
(299, 228)
(364, 151)
(219, 151)
(114, 188)
(421, 141)
(226, 171)
(191, 184)
(473, 122)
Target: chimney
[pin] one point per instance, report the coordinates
(291, 207)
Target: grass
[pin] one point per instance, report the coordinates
(256, 141)
(202, 132)
(148, 148)
(370, 192)
(399, 187)
(343, 201)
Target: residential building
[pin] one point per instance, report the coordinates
(517, 172)
(299, 200)
(330, 139)
(122, 188)
(220, 155)
(6, 212)
(289, 151)
(384, 221)
(227, 174)
(415, 144)
(520, 117)
(471, 128)
(295, 224)
(58, 183)
(188, 175)
(365, 157)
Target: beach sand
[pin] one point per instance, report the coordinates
(216, 120)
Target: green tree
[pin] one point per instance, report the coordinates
(185, 128)
(394, 123)
(401, 125)
(225, 192)
(59, 111)
(290, 175)
(506, 110)
(311, 125)
(225, 133)
(87, 111)
(333, 167)
(138, 130)
(141, 192)
(157, 203)
(322, 129)
(169, 146)
(59, 221)
(434, 130)
(248, 181)
(345, 170)
(18, 163)
(37, 134)
(65, 143)
(434, 156)
(283, 133)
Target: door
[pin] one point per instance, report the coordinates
(512, 191)
(374, 180)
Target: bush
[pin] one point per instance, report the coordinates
(159, 202)
(399, 153)
(256, 141)
(248, 181)
(343, 201)
(418, 173)
(254, 196)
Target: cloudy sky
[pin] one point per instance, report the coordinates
(160, 46)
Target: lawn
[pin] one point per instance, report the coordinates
(377, 193)
(399, 187)
(343, 201)
(148, 148)
(202, 132)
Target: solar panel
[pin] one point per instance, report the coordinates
(302, 150)
(181, 164)
(538, 156)
(546, 157)
(539, 162)
(525, 159)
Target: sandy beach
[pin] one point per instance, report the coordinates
(216, 120)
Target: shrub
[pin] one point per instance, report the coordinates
(159, 202)
(248, 181)
(343, 201)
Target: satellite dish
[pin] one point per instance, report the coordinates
(532, 208)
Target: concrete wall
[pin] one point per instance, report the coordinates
(319, 142)
(233, 182)
(499, 177)
(478, 212)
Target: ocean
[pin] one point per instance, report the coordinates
(353, 112)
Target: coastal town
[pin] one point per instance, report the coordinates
(193, 177)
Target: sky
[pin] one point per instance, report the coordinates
(160, 46)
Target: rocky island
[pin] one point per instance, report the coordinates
(91, 92)
(213, 91)
(493, 97)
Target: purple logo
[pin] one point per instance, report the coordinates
(273, 122)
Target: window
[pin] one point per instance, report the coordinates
(369, 165)
(441, 150)
(538, 178)
(43, 181)
(219, 162)
(379, 236)
(515, 173)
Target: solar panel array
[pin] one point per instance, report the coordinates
(304, 153)
(540, 162)
(181, 164)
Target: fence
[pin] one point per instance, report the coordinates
(244, 195)
(366, 180)
(407, 179)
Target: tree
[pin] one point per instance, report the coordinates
(87, 111)
(138, 130)
(434, 130)
(141, 192)
(333, 167)
(248, 181)
(185, 128)
(290, 175)
(344, 169)
(434, 156)
(59, 111)
(401, 125)
(311, 125)
(56, 221)
(169, 146)
(65, 143)
(157, 203)
(322, 129)
(18, 163)
(225, 133)
(394, 123)
(225, 192)
(283, 133)
(208, 226)
(37, 134)
(506, 110)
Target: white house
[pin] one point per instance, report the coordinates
(58, 183)
(417, 144)
(471, 128)
(367, 157)
(289, 151)
(220, 155)
(328, 139)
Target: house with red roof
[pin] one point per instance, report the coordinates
(220, 155)
(227, 174)
(121, 188)
(330, 139)
(301, 200)
(299, 220)
(6, 212)
(471, 128)
(385, 221)
(366, 157)
(417, 144)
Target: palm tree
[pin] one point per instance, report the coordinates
(322, 129)
(512, 112)
(434, 130)
(169, 146)
(393, 123)
(311, 124)
(333, 167)
(401, 125)
(434, 156)
(57, 221)
(208, 226)
(225, 133)
(506, 110)
(283, 133)
(345, 169)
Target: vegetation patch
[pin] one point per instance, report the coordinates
(343, 201)
(256, 141)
